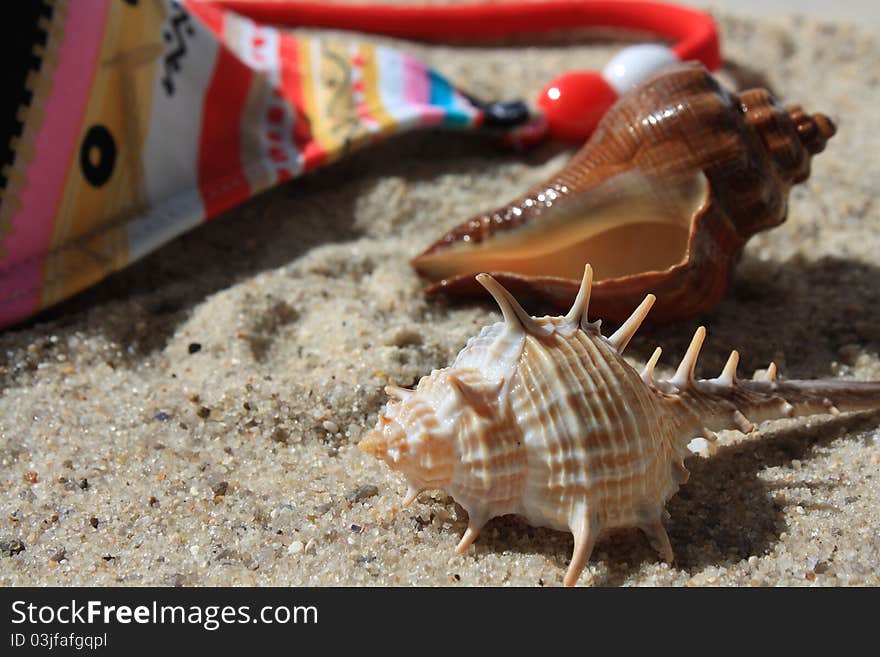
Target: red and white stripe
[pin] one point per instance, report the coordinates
(268, 124)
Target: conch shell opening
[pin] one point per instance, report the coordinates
(626, 225)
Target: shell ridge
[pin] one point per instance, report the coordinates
(640, 435)
(538, 439)
(610, 420)
(621, 459)
(572, 369)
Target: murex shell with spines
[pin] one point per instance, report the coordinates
(543, 417)
(678, 175)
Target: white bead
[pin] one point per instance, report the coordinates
(635, 63)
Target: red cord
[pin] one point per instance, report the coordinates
(693, 31)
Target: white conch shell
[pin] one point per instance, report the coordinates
(542, 417)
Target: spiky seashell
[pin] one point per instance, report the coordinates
(543, 417)
(678, 175)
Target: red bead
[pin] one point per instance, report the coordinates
(574, 103)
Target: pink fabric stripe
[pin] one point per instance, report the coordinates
(417, 91)
(54, 151)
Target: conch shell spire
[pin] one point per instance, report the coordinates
(748, 402)
(728, 403)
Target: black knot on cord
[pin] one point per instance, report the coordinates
(505, 114)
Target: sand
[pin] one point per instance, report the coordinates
(194, 419)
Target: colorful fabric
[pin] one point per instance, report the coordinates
(146, 118)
